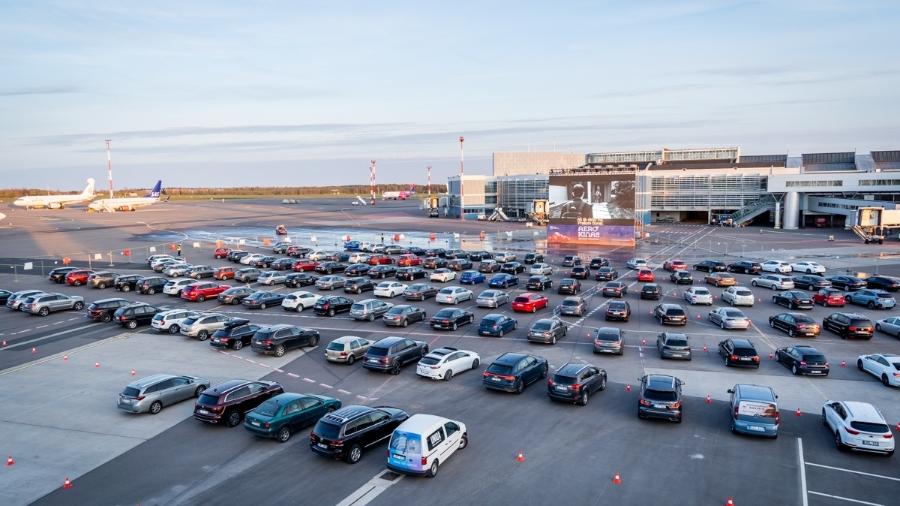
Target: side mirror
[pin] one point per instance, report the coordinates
(731, 391)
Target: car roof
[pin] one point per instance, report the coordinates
(509, 358)
(346, 339)
(741, 343)
(421, 423)
(347, 413)
(388, 341)
(755, 392)
(150, 380)
(227, 386)
(571, 369)
(661, 382)
(864, 412)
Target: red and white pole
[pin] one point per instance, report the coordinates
(372, 191)
(428, 173)
(462, 205)
(109, 167)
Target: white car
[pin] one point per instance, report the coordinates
(298, 301)
(540, 269)
(637, 263)
(808, 267)
(388, 289)
(175, 286)
(272, 278)
(442, 275)
(729, 318)
(858, 426)
(505, 256)
(884, 367)
(316, 255)
(444, 363)
(453, 295)
(738, 296)
(423, 443)
(698, 295)
(776, 266)
(773, 282)
(358, 258)
(170, 321)
(252, 258)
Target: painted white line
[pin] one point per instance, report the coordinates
(64, 332)
(309, 380)
(279, 370)
(369, 491)
(855, 501)
(363, 397)
(804, 499)
(248, 360)
(264, 365)
(324, 385)
(42, 326)
(293, 375)
(881, 476)
(343, 391)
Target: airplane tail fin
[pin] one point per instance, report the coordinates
(412, 188)
(157, 190)
(89, 189)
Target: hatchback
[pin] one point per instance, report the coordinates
(546, 330)
(754, 410)
(609, 340)
(153, 393)
(572, 306)
(496, 325)
(512, 372)
(347, 349)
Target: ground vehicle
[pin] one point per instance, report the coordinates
(710, 266)
(286, 413)
(199, 292)
(598, 262)
(808, 267)
(681, 278)
(675, 265)
(546, 330)
(102, 279)
(497, 325)
(410, 273)
(234, 295)
(459, 264)
(357, 270)
(609, 340)
(660, 397)
(848, 283)
(802, 359)
(408, 260)
(849, 325)
(78, 277)
(251, 259)
(170, 321)
(673, 345)
(347, 432)
(829, 297)
(738, 296)
(298, 301)
(670, 314)
(471, 278)
(503, 280)
(890, 326)
(538, 283)
(745, 267)
(247, 275)
(505, 257)
(533, 258)
(858, 426)
(158, 258)
(423, 442)
(151, 394)
(281, 247)
(754, 410)
(45, 303)
(297, 251)
(389, 289)
(729, 318)
(569, 286)
(127, 283)
(541, 269)
(419, 291)
(392, 353)
(221, 253)
(651, 291)
(203, 325)
(270, 278)
(333, 267)
(402, 315)
(4, 296)
(161, 265)
(330, 282)
(883, 366)
(236, 255)
(606, 274)
(369, 309)
(277, 339)
(226, 403)
(453, 295)
(738, 352)
(283, 264)
(529, 302)
(574, 382)
(445, 362)
(451, 318)
(773, 282)
(235, 334)
(58, 275)
(697, 295)
(795, 324)
(571, 261)
(512, 372)
(177, 269)
(646, 276)
(442, 275)
(776, 266)
(488, 266)
(617, 310)
(382, 271)
(300, 279)
(636, 263)
(810, 281)
(492, 298)
(872, 299)
(103, 310)
(200, 271)
(887, 283)
(265, 262)
(572, 306)
(435, 263)
(175, 286)
(262, 300)
(793, 299)
(512, 268)
(304, 265)
(135, 314)
(346, 349)
(223, 273)
(332, 304)
(720, 279)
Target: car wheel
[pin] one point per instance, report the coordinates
(199, 390)
(838, 443)
(584, 399)
(870, 305)
(354, 454)
(331, 312)
(351, 359)
(885, 381)
(101, 286)
(44, 311)
(156, 407)
(433, 470)
(791, 332)
(151, 291)
(405, 323)
(203, 335)
(794, 370)
(455, 326)
(284, 434)
(395, 370)
(279, 351)
(234, 419)
(106, 318)
(520, 386)
(132, 324)
(238, 344)
(753, 283)
(553, 340)
(463, 442)
(722, 325)
(448, 375)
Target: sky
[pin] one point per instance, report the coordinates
(268, 93)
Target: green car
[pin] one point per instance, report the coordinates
(286, 413)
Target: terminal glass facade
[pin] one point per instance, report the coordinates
(706, 192)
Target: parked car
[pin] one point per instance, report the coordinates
(729, 318)
(803, 359)
(357, 270)
(263, 299)
(271, 278)
(492, 298)
(471, 278)
(233, 296)
(698, 295)
(673, 345)
(598, 262)
(43, 304)
(453, 295)
(445, 362)
(330, 282)
(773, 282)
(808, 267)
(127, 283)
(744, 267)
(872, 299)
(810, 281)
(710, 266)
(738, 352)
(299, 279)
(848, 283)
(608, 340)
(533, 258)
(538, 283)
(885, 367)
(660, 397)
(442, 275)
(451, 318)
(540, 269)
(512, 372)
(849, 325)
(104, 309)
(606, 274)
(58, 275)
(670, 314)
(407, 452)
(795, 324)
(382, 271)
(637, 263)
(738, 296)
(389, 289)
(408, 260)
(101, 279)
(887, 283)
(618, 310)
(226, 403)
(4, 296)
(571, 261)
(434, 263)
(347, 349)
(889, 325)
(754, 410)
(330, 305)
(347, 432)
(512, 268)
(392, 353)
(283, 264)
(152, 393)
(858, 426)
(300, 300)
(419, 291)
(497, 325)
(402, 315)
(681, 278)
(201, 271)
(829, 297)
(776, 266)
(651, 291)
(576, 382)
(546, 330)
(488, 266)
(529, 302)
(203, 325)
(503, 280)
(410, 273)
(223, 273)
(675, 265)
(718, 279)
(459, 264)
(369, 309)
(304, 265)
(235, 334)
(572, 306)
(277, 339)
(136, 314)
(200, 291)
(247, 275)
(793, 299)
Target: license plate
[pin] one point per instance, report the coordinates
(815, 372)
(561, 389)
(399, 456)
(870, 443)
(745, 359)
(373, 361)
(494, 378)
(323, 445)
(756, 428)
(203, 412)
(659, 406)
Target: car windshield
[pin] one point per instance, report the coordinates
(396, 310)
(878, 428)
(701, 291)
(521, 299)
(377, 351)
(541, 326)
(208, 399)
(660, 395)
(358, 307)
(744, 352)
(429, 361)
(447, 291)
(861, 323)
(731, 313)
(676, 341)
(189, 321)
(264, 333)
(563, 380)
(444, 313)
(268, 408)
(333, 346)
(327, 430)
(607, 335)
(803, 319)
(743, 292)
(675, 312)
(814, 359)
(570, 302)
(131, 392)
(499, 368)
(883, 295)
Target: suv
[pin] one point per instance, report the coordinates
(673, 345)
(103, 310)
(392, 353)
(78, 277)
(102, 279)
(670, 314)
(45, 303)
(802, 359)
(176, 286)
(369, 309)
(512, 372)
(151, 285)
(151, 394)
(576, 382)
(538, 283)
(135, 314)
(660, 397)
(739, 352)
(203, 325)
(858, 426)
(872, 299)
(347, 349)
(170, 321)
(651, 291)
(849, 325)
(277, 339)
(235, 334)
(58, 275)
(332, 304)
(227, 403)
(344, 434)
(127, 282)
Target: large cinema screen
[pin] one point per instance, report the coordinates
(592, 209)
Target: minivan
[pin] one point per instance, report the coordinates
(754, 410)
(151, 394)
(423, 442)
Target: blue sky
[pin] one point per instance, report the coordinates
(271, 93)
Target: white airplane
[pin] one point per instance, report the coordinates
(56, 201)
(127, 203)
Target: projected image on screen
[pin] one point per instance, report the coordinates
(592, 209)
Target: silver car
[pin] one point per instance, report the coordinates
(890, 326)
(738, 296)
(330, 282)
(369, 309)
(17, 298)
(151, 394)
(346, 349)
(774, 282)
(46, 303)
(573, 306)
(175, 271)
(171, 321)
(272, 278)
(729, 318)
(203, 325)
(492, 298)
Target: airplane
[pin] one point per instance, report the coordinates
(127, 203)
(56, 201)
(399, 195)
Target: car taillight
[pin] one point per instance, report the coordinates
(852, 328)
(267, 342)
(803, 362)
(424, 461)
(486, 374)
(121, 318)
(644, 402)
(550, 382)
(756, 358)
(777, 417)
(735, 411)
(675, 405)
(888, 436)
(326, 306)
(733, 357)
(343, 353)
(508, 378)
(576, 387)
(140, 397)
(385, 360)
(851, 431)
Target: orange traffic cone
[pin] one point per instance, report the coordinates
(520, 457)
(617, 479)
(708, 399)
(729, 502)
(33, 350)
(797, 412)
(67, 483)
(10, 461)
(65, 357)
(627, 388)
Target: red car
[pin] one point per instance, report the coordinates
(529, 302)
(223, 273)
(829, 297)
(675, 265)
(305, 265)
(221, 252)
(408, 260)
(646, 275)
(380, 260)
(78, 278)
(198, 292)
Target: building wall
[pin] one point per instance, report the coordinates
(516, 163)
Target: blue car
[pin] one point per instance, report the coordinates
(496, 325)
(351, 245)
(471, 278)
(512, 372)
(503, 281)
(754, 410)
(872, 299)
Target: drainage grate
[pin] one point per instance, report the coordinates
(389, 476)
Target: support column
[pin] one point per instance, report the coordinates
(791, 210)
(777, 214)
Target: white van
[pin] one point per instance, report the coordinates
(423, 442)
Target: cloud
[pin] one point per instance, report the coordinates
(38, 90)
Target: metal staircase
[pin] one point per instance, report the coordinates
(765, 203)
(868, 236)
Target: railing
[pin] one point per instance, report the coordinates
(765, 202)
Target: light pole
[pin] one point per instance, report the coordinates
(462, 205)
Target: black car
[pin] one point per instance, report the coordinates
(58, 275)
(739, 352)
(262, 299)
(670, 314)
(265, 262)
(330, 305)
(575, 382)
(235, 334)
(382, 271)
(478, 256)
(127, 283)
(235, 295)
(803, 359)
(793, 299)
(606, 274)
(357, 270)
(419, 291)
(459, 264)
(847, 283)
(580, 272)
(618, 310)
(568, 286)
(538, 283)
(810, 282)
(277, 339)
(392, 353)
(849, 325)
(152, 285)
(512, 268)
(282, 264)
(402, 315)
(710, 266)
(300, 279)
(330, 267)
(415, 250)
(794, 324)
(681, 278)
(451, 318)
(451, 254)
(236, 255)
(135, 314)
(547, 331)
(434, 263)
(4, 296)
(745, 267)
(533, 258)
(359, 285)
(651, 291)
(512, 372)
(344, 434)
(435, 252)
(410, 273)
(886, 283)
(660, 397)
(598, 262)
(104, 309)
(226, 403)
(615, 289)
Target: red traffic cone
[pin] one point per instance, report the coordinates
(628, 389)
(797, 412)
(4, 344)
(97, 365)
(520, 457)
(708, 399)
(65, 357)
(67, 483)
(705, 349)
(133, 372)
(843, 363)
(698, 316)
(617, 479)
(10, 461)
(729, 502)
(643, 342)
(33, 350)
(771, 356)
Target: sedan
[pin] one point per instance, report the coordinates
(492, 298)
(546, 330)
(802, 359)
(847, 282)
(890, 326)
(442, 275)
(453, 295)
(382, 271)
(402, 315)
(451, 318)
(288, 413)
(883, 366)
(793, 299)
(579, 272)
(618, 310)
(541, 269)
(710, 266)
(446, 362)
(808, 267)
(330, 282)
(572, 306)
(503, 280)
(615, 289)
(538, 283)
(776, 266)
(636, 263)
(419, 291)
(739, 352)
(889, 283)
(795, 324)
(569, 286)
(272, 278)
(512, 268)
(357, 270)
(609, 340)
(512, 372)
(720, 279)
(729, 318)
(529, 302)
(262, 300)
(810, 281)
(389, 289)
(496, 325)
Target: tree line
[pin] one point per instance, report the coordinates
(243, 190)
